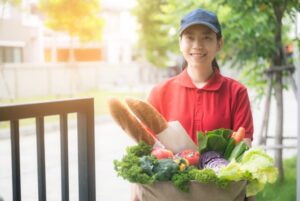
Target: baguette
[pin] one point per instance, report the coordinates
(148, 115)
(129, 123)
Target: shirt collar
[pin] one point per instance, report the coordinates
(213, 84)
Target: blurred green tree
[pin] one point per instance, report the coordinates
(80, 18)
(254, 33)
(262, 49)
(153, 34)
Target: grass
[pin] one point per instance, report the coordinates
(100, 96)
(285, 191)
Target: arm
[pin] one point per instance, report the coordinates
(242, 115)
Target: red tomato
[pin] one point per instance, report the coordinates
(161, 153)
(192, 156)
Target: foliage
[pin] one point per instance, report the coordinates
(253, 29)
(77, 18)
(208, 176)
(182, 179)
(151, 31)
(140, 150)
(130, 167)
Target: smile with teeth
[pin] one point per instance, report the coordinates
(198, 54)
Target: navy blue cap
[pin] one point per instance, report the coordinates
(202, 17)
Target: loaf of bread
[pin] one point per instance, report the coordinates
(148, 115)
(129, 123)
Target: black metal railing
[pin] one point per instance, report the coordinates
(86, 145)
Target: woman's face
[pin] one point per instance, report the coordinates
(199, 46)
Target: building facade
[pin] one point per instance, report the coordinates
(24, 38)
(21, 36)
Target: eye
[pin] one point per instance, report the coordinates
(188, 36)
(207, 37)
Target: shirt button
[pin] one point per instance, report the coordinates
(199, 91)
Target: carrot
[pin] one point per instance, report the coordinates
(238, 135)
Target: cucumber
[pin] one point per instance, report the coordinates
(238, 150)
(229, 148)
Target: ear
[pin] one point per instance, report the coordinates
(220, 44)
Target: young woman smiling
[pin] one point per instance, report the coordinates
(200, 97)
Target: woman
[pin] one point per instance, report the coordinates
(200, 98)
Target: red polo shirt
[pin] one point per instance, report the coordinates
(221, 103)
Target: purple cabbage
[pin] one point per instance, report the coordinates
(213, 160)
(216, 164)
(208, 156)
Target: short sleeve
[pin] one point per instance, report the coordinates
(242, 115)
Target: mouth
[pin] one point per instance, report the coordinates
(198, 54)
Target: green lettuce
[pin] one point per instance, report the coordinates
(232, 172)
(255, 166)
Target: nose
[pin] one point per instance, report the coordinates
(198, 44)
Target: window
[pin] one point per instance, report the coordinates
(11, 54)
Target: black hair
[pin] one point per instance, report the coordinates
(214, 63)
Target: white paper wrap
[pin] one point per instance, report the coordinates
(175, 138)
(158, 144)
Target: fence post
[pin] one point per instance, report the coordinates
(86, 154)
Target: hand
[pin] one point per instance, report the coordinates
(248, 142)
(134, 193)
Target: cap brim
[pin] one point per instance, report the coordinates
(198, 23)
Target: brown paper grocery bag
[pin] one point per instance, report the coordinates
(166, 191)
